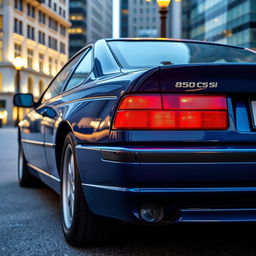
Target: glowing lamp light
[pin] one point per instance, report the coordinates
(163, 3)
(18, 63)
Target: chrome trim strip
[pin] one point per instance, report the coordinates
(35, 142)
(198, 190)
(89, 147)
(48, 144)
(164, 150)
(174, 155)
(112, 188)
(43, 172)
(173, 190)
(40, 143)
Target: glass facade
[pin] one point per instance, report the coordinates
(224, 21)
(77, 33)
(124, 18)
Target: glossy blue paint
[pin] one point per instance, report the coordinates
(88, 109)
(231, 78)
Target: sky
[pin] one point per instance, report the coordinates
(116, 18)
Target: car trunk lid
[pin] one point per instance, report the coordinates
(237, 82)
(209, 78)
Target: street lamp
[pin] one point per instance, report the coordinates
(163, 10)
(18, 64)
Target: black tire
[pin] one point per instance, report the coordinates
(85, 228)
(26, 179)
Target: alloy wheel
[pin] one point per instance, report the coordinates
(68, 187)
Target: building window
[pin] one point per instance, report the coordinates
(52, 43)
(64, 14)
(18, 26)
(30, 32)
(60, 11)
(76, 17)
(56, 66)
(30, 58)
(41, 62)
(17, 50)
(76, 31)
(41, 17)
(1, 87)
(30, 85)
(50, 3)
(53, 24)
(50, 65)
(1, 23)
(41, 37)
(18, 5)
(31, 10)
(41, 87)
(62, 48)
(1, 50)
(62, 30)
(55, 7)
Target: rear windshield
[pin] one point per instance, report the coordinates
(132, 54)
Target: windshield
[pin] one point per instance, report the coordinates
(140, 54)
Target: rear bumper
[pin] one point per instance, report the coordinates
(190, 184)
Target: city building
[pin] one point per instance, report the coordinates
(174, 22)
(140, 18)
(124, 18)
(224, 21)
(143, 19)
(36, 31)
(91, 20)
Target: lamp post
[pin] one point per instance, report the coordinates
(18, 64)
(163, 10)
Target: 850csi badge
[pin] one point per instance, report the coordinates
(196, 85)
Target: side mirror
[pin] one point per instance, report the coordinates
(23, 100)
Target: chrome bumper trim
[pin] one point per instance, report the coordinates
(112, 188)
(174, 190)
(175, 155)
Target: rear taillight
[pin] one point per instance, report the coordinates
(172, 112)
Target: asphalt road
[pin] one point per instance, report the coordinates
(30, 225)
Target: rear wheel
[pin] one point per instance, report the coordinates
(26, 179)
(80, 226)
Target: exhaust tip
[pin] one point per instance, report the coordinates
(151, 213)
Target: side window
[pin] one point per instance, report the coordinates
(82, 71)
(59, 81)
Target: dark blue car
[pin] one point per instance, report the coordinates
(145, 131)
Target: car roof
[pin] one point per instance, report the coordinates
(172, 40)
